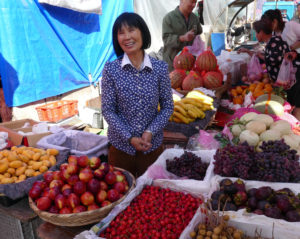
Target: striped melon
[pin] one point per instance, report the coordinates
(184, 60)
(191, 81)
(213, 79)
(177, 77)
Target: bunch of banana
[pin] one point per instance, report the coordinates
(191, 107)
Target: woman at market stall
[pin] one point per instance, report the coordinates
(132, 88)
(276, 50)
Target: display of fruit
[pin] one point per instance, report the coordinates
(191, 81)
(213, 79)
(278, 204)
(82, 184)
(154, 213)
(206, 61)
(184, 60)
(191, 107)
(177, 76)
(20, 163)
(187, 165)
(256, 128)
(276, 162)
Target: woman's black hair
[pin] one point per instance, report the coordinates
(132, 20)
(274, 14)
(264, 25)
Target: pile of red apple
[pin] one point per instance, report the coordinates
(155, 213)
(82, 184)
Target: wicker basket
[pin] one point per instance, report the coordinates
(82, 218)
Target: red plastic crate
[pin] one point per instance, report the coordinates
(57, 111)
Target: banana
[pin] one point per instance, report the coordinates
(180, 110)
(184, 119)
(196, 94)
(175, 119)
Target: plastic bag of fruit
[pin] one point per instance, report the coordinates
(266, 199)
(143, 184)
(194, 174)
(287, 75)
(77, 142)
(255, 70)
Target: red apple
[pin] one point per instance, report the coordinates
(113, 195)
(93, 186)
(43, 203)
(46, 193)
(63, 166)
(64, 174)
(87, 198)
(60, 201)
(94, 162)
(103, 185)
(73, 200)
(99, 173)
(40, 184)
(66, 190)
(72, 159)
(53, 209)
(93, 207)
(56, 175)
(119, 186)
(73, 179)
(104, 166)
(72, 169)
(120, 176)
(53, 192)
(48, 176)
(86, 175)
(83, 161)
(79, 187)
(110, 178)
(56, 183)
(101, 196)
(65, 210)
(79, 208)
(105, 203)
(35, 192)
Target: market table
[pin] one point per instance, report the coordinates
(49, 231)
(18, 221)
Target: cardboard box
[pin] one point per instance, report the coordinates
(13, 127)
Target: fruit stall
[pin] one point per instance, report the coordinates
(238, 179)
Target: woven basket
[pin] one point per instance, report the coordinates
(82, 218)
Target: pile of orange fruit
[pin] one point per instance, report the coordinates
(238, 93)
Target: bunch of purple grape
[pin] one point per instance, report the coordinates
(187, 165)
(234, 161)
(276, 163)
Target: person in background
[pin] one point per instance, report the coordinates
(179, 29)
(296, 16)
(5, 111)
(276, 50)
(200, 12)
(132, 88)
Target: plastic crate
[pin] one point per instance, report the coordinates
(57, 111)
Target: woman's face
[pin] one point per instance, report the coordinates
(260, 36)
(130, 39)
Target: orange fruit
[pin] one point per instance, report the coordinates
(239, 90)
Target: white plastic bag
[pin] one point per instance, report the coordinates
(198, 46)
(287, 75)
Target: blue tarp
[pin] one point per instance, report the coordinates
(47, 51)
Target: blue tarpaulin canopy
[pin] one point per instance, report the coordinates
(47, 51)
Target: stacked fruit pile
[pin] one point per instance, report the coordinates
(279, 204)
(187, 165)
(81, 184)
(191, 73)
(275, 163)
(20, 163)
(155, 213)
(191, 107)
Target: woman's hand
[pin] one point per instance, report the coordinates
(260, 55)
(290, 56)
(245, 50)
(140, 144)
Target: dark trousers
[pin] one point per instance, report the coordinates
(136, 164)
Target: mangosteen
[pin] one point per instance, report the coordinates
(258, 212)
(252, 203)
(214, 204)
(241, 207)
(230, 189)
(292, 216)
(273, 212)
(240, 185)
(285, 191)
(263, 205)
(263, 193)
(225, 181)
(283, 203)
(240, 198)
(230, 207)
(251, 192)
(220, 196)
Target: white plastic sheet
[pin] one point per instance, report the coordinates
(88, 6)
